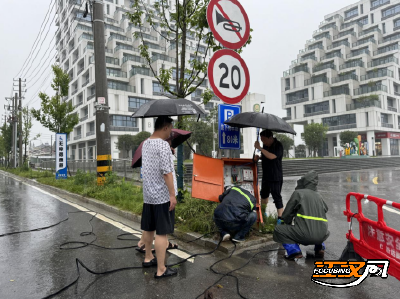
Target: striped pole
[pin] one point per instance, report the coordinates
(103, 166)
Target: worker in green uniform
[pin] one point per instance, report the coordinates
(308, 210)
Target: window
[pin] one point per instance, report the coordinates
(391, 11)
(384, 118)
(366, 119)
(334, 105)
(372, 18)
(312, 93)
(142, 85)
(157, 88)
(396, 23)
(122, 121)
(377, 3)
(351, 13)
(295, 112)
(315, 108)
(135, 102)
(302, 94)
(362, 8)
(390, 102)
(340, 120)
(363, 21)
(383, 28)
(394, 147)
(294, 82)
(116, 2)
(108, 9)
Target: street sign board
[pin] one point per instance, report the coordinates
(229, 76)
(101, 100)
(229, 137)
(61, 156)
(228, 22)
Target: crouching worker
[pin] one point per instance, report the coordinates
(236, 213)
(308, 210)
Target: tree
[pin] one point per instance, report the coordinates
(187, 19)
(6, 140)
(139, 138)
(26, 128)
(126, 143)
(347, 137)
(286, 141)
(300, 151)
(314, 135)
(55, 114)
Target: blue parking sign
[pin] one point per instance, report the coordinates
(229, 137)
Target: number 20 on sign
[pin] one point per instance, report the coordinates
(229, 76)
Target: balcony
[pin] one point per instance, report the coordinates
(358, 52)
(84, 118)
(77, 137)
(140, 71)
(369, 89)
(316, 80)
(116, 73)
(344, 34)
(75, 60)
(338, 44)
(90, 97)
(364, 32)
(127, 88)
(316, 46)
(133, 58)
(378, 74)
(381, 61)
(386, 125)
(386, 49)
(300, 68)
(119, 37)
(296, 101)
(85, 36)
(289, 117)
(91, 133)
(393, 109)
(316, 113)
(342, 127)
(351, 64)
(125, 47)
(126, 129)
(80, 70)
(332, 55)
(364, 41)
(378, 3)
(390, 38)
(85, 83)
(337, 91)
(323, 67)
(344, 78)
(74, 91)
(396, 93)
(363, 104)
(162, 57)
(77, 105)
(347, 25)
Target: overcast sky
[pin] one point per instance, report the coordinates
(281, 29)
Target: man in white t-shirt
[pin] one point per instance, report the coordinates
(159, 196)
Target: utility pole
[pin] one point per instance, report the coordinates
(20, 123)
(15, 121)
(51, 146)
(103, 140)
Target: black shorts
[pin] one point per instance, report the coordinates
(274, 189)
(158, 218)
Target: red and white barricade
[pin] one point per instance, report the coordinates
(377, 240)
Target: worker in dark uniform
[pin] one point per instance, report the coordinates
(235, 213)
(308, 210)
(272, 178)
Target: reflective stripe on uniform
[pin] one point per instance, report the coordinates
(312, 218)
(248, 198)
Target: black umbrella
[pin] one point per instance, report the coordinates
(260, 120)
(168, 107)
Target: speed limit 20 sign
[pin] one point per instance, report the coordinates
(229, 76)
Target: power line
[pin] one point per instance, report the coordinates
(37, 53)
(39, 34)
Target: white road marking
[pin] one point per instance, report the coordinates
(391, 210)
(177, 252)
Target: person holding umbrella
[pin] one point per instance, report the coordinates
(272, 179)
(159, 196)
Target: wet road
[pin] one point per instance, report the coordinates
(32, 265)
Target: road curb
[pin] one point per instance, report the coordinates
(225, 247)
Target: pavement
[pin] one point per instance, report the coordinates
(32, 265)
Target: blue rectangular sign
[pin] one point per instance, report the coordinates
(229, 137)
(61, 156)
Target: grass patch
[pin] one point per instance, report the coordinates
(191, 214)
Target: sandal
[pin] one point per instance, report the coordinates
(294, 256)
(169, 272)
(172, 246)
(152, 263)
(142, 250)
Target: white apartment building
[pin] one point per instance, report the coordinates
(348, 77)
(130, 80)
